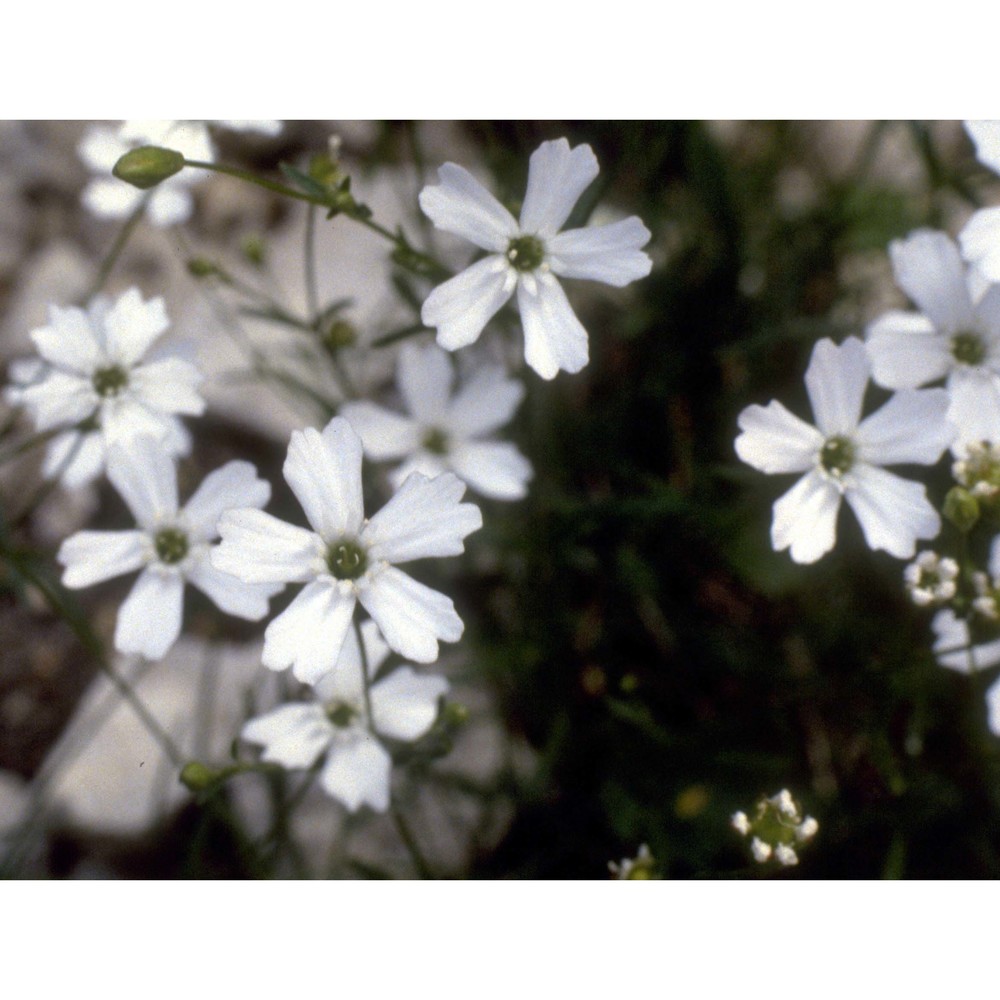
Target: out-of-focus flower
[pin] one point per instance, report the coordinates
(357, 769)
(955, 336)
(346, 559)
(843, 454)
(776, 828)
(528, 255)
(169, 202)
(95, 378)
(641, 867)
(445, 432)
(170, 545)
(955, 650)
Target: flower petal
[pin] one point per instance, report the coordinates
(424, 377)
(308, 635)
(75, 458)
(93, 556)
(149, 621)
(423, 518)
(980, 242)
(293, 736)
(233, 485)
(486, 402)
(461, 205)
(493, 469)
(358, 773)
(60, 399)
(906, 351)
(554, 339)
(131, 326)
(68, 342)
(146, 477)
(463, 305)
(911, 427)
(952, 645)
(226, 592)
(557, 176)
(405, 704)
(346, 681)
(428, 464)
(805, 518)
(974, 409)
(412, 617)
(324, 472)
(836, 380)
(384, 434)
(170, 385)
(985, 135)
(893, 512)
(258, 548)
(775, 440)
(611, 253)
(929, 268)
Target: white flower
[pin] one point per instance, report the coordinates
(954, 650)
(842, 456)
(357, 768)
(170, 201)
(170, 546)
(761, 851)
(269, 127)
(444, 432)
(527, 255)
(346, 558)
(639, 868)
(931, 579)
(740, 822)
(985, 136)
(956, 335)
(785, 854)
(96, 376)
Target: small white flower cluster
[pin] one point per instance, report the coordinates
(112, 405)
(777, 827)
(979, 470)
(641, 867)
(931, 579)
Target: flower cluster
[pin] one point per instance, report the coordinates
(776, 828)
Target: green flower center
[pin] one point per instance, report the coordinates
(346, 559)
(837, 455)
(109, 381)
(171, 545)
(526, 253)
(436, 441)
(968, 348)
(341, 714)
(340, 334)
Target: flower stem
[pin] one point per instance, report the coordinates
(124, 234)
(406, 835)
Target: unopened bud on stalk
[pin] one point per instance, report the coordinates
(196, 777)
(961, 508)
(146, 166)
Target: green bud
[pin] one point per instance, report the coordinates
(146, 166)
(961, 508)
(454, 714)
(201, 267)
(196, 777)
(255, 250)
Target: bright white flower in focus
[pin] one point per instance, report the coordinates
(357, 769)
(170, 545)
(93, 380)
(346, 559)
(842, 457)
(955, 336)
(528, 255)
(170, 201)
(444, 432)
(930, 579)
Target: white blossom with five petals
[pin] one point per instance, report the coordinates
(955, 336)
(527, 255)
(357, 769)
(170, 545)
(346, 559)
(842, 457)
(445, 432)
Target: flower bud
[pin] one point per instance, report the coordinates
(146, 166)
(961, 508)
(196, 777)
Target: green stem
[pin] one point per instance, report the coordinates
(406, 835)
(124, 234)
(309, 262)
